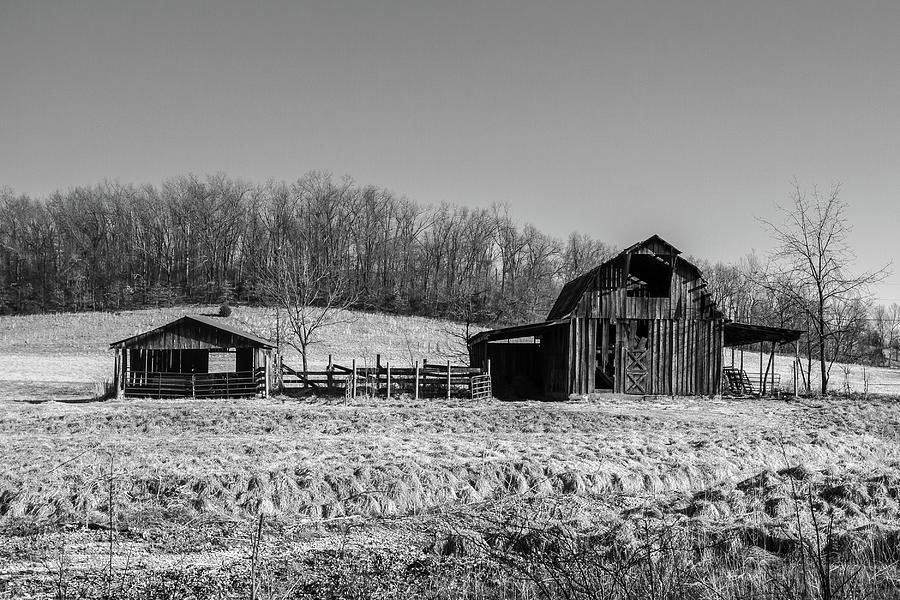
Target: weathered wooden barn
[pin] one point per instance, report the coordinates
(642, 322)
(174, 361)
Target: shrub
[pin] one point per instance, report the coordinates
(225, 309)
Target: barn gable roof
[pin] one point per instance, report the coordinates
(655, 244)
(573, 291)
(194, 331)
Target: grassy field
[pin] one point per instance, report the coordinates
(477, 499)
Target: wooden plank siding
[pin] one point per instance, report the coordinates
(174, 359)
(647, 289)
(683, 343)
(555, 360)
(189, 336)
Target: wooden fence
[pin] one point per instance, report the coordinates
(428, 380)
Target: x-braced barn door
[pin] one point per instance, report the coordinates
(634, 358)
(637, 375)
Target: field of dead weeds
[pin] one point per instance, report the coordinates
(179, 487)
(326, 458)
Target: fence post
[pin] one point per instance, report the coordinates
(353, 379)
(448, 379)
(377, 374)
(416, 392)
(388, 392)
(330, 371)
(193, 386)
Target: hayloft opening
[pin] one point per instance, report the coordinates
(649, 276)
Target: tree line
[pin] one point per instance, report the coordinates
(118, 246)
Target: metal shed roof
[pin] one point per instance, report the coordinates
(235, 338)
(511, 333)
(742, 334)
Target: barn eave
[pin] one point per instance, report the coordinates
(238, 338)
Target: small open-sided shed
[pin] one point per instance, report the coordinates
(174, 361)
(642, 322)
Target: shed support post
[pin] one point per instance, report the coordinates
(353, 380)
(120, 373)
(762, 389)
(796, 365)
(771, 369)
(279, 373)
(416, 383)
(268, 363)
(116, 370)
(448, 379)
(388, 390)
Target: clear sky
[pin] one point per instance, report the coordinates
(686, 118)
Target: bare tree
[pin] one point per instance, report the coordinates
(814, 256)
(311, 295)
(886, 326)
(893, 319)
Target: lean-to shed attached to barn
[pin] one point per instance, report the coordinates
(174, 361)
(640, 323)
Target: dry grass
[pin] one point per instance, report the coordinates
(347, 483)
(326, 458)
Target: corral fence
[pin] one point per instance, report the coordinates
(425, 380)
(153, 384)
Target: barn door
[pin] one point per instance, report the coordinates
(637, 375)
(635, 358)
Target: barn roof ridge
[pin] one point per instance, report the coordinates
(653, 238)
(572, 291)
(204, 321)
